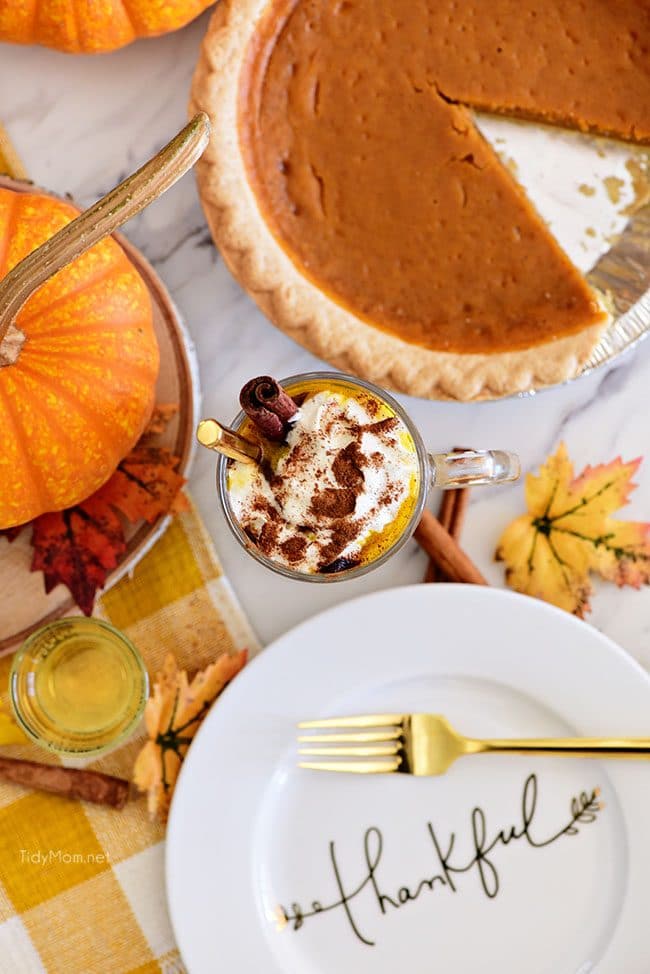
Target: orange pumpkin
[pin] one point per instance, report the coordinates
(91, 26)
(78, 370)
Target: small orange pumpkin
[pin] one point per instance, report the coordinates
(92, 26)
(77, 371)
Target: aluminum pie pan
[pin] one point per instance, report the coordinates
(622, 276)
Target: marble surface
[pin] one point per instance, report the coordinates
(81, 124)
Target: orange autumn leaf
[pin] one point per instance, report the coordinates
(146, 485)
(172, 717)
(569, 532)
(162, 415)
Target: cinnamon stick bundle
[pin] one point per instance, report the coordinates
(445, 551)
(89, 786)
(451, 515)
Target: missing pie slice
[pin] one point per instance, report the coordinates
(352, 195)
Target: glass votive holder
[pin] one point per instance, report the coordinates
(78, 687)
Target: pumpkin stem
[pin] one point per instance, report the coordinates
(11, 345)
(102, 219)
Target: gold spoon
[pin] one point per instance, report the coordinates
(214, 436)
(103, 218)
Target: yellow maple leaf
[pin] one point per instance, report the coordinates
(10, 732)
(569, 532)
(172, 717)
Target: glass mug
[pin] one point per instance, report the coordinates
(443, 470)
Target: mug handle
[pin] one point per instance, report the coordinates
(471, 467)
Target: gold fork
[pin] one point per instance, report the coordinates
(425, 744)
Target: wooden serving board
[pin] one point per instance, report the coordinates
(24, 606)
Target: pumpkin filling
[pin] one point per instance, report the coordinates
(379, 187)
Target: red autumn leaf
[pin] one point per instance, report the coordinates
(145, 485)
(78, 547)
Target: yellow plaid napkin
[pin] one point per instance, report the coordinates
(81, 886)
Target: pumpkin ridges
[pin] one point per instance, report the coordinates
(25, 318)
(95, 37)
(76, 22)
(60, 331)
(91, 26)
(78, 329)
(107, 254)
(72, 448)
(118, 294)
(19, 28)
(37, 481)
(99, 423)
(95, 418)
(153, 17)
(57, 27)
(27, 315)
(26, 231)
(34, 17)
(126, 314)
(128, 12)
(141, 370)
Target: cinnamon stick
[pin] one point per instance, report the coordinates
(446, 516)
(447, 505)
(445, 551)
(268, 405)
(451, 515)
(89, 786)
(459, 512)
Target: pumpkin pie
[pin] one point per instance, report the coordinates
(352, 195)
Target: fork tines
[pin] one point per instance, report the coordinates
(383, 748)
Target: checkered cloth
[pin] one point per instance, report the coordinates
(81, 886)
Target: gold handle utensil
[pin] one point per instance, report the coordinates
(426, 744)
(215, 436)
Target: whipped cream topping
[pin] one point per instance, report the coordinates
(346, 470)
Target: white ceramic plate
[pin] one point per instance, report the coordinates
(250, 833)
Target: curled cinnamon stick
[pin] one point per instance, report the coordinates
(89, 786)
(268, 405)
(445, 551)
